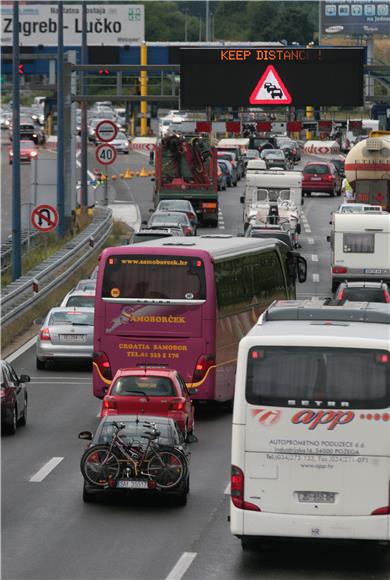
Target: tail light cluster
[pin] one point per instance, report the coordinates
(329, 177)
(204, 362)
(339, 269)
(387, 297)
(103, 364)
(109, 404)
(44, 334)
(237, 491)
(177, 404)
(187, 231)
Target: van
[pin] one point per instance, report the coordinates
(360, 244)
(310, 438)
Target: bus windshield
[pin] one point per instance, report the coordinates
(145, 277)
(304, 376)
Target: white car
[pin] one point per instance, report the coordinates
(120, 143)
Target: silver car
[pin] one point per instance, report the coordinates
(79, 298)
(66, 333)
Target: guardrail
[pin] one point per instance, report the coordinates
(20, 295)
(28, 238)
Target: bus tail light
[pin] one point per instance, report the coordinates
(387, 297)
(205, 361)
(103, 364)
(237, 491)
(177, 404)
(45, 334)
(383, 511)
(339, 269)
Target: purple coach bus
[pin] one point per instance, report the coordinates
(185, 305)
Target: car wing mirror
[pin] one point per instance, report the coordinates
(24, 378)
(242, 199)
(302, 269)
(87, 435)
(328, 238)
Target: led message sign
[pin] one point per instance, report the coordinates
(241, 77)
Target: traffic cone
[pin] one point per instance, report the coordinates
(113, 177)
(143, 172)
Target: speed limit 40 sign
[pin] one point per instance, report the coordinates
(105, 154)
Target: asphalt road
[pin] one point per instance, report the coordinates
(48, 532)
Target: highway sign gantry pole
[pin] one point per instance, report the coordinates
(60, 123)
(84, 142)
(16, 195)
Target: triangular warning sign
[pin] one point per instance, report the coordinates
(270, 90)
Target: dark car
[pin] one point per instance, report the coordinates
(363, 292)
(321, 176)
(170, 436)
(275, 158)
(180, 205)
(13, 398)
(31, 132)
(147, 235)
(339, 164)
(258, 231)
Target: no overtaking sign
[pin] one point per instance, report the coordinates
(106, 131)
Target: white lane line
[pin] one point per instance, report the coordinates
(46, 469)
(21, 350)
(316, 277)
(310, 241)
(91, 175)
(307, 229)
(227, 490)
(98, 415)
(181, 566)
(314, 258)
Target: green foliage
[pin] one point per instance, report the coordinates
(245, 20)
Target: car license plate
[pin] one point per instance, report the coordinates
(316, 496)
(372, 271)
(132, 484)
(73, 338)
(315, 178)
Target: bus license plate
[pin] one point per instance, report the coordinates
(132, 484)
(73, 338)
(372, 271)
(316, 496)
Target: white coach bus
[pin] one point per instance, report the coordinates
(311, 424)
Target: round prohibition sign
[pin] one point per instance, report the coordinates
(106, 131)
(44, 218)
(105, 154)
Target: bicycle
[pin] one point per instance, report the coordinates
(102, 464)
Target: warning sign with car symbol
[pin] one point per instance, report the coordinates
(270, 90)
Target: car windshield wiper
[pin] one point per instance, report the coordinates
(138, 393)
(81, 324)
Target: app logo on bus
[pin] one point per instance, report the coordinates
(331, 419)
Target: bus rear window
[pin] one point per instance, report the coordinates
(318, 377)
(154, 277)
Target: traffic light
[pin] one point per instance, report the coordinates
(104, 71)
(21, 69)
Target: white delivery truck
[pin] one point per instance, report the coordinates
(360, 244)
(311, 424)
(264, 188)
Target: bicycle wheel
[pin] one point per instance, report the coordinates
(167, 468)
(99, 465)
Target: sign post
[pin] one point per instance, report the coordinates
(106, 131)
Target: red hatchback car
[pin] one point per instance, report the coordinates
(321, 176)
(158, 392)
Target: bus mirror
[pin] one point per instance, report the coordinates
(242, 199)
(302, 269)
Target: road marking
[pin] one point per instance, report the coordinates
(316, 277)
(310, 241)
(227, 490)
(181, 566)
(221, 221)
(46, 469)
(90, 174)
(98, 415)
(314, 258)
(307, 229)
(21, 350)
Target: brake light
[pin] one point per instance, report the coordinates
(383, 511)
(190, 215)
(339, 269)
(103, 364)
(187, 231)
(33, 153)
(177, 404)
(387, 296)
(44, 334)
(237, 491)
(329, 177)
(204, 363)
(340, 295)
